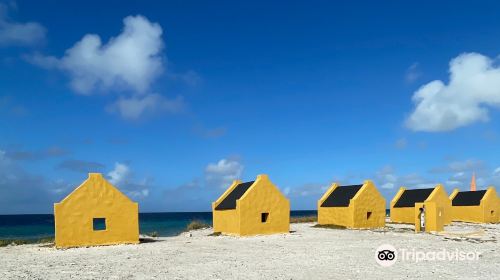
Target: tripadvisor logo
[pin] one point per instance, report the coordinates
(386, 255)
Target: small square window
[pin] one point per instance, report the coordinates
(99, 224)
(368, 215)
(263, 217)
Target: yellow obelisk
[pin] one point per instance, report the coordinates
(473, 182)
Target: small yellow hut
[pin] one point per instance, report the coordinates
(96, 213)
(481, 206)
(354, 206)
(408, 205)
(256, 207)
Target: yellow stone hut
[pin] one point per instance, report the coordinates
(408, 205)
(96, 213)
(256, 207)
(354, 206)
(481, 206)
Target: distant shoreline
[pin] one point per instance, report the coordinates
(32, 227)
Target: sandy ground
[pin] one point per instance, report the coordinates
(306, 253)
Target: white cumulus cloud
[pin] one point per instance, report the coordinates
(127, 64)
(223, 172)
(132, 59)
(122, 177)
(119, 174)
(473, 88)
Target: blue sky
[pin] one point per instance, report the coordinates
(172, 101)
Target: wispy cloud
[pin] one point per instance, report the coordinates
(202, 190)
(136, 107)
(190, 77)
(387, 178)
(469, 165)
(13, 33)
(209, 132)
(81, 166)
(401, 143)
(25, 192)
(30, 155)
(413, 73)
(9, 107)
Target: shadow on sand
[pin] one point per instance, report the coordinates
(148, 240)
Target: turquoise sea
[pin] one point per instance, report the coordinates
(38, 226)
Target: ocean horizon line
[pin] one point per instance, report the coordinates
(162, 212)
(37, 226)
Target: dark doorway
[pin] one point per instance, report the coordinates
(263, 217)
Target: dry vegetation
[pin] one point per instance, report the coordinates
(153, 234)
(196, 224)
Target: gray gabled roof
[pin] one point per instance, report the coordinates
(410, 197)
(341, 196)
(470, 198)
(229, 201)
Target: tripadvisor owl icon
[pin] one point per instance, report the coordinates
(386, 255)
